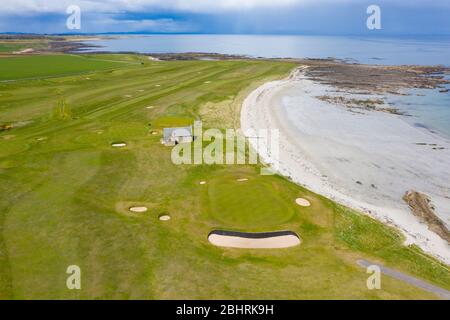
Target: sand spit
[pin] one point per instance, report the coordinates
(243, 240)
(363, 160)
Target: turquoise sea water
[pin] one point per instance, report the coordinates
(427, 108)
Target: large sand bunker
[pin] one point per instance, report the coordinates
(265, 240)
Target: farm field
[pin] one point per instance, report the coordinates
(65, 192)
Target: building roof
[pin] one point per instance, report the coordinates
(177, 132)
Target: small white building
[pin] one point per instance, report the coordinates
(174, 136)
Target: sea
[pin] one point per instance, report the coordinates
(429, 109)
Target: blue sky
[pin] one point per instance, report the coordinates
(344, 17)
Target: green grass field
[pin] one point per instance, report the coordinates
(15, 68)
(7, 47)
(64, 193)
(10, 46)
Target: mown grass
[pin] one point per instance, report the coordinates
(64, 193)
(14, 68)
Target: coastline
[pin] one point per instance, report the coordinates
(325, 157)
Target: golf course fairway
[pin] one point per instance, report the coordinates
(65, 192)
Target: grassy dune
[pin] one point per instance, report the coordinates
(10, 46)
(64, 193)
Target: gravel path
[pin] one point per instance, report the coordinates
(443, 293)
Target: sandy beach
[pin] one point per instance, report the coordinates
(366, 160)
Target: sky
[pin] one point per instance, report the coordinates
(326, 17)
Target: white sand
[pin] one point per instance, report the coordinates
(202, 182)
(24, 51)
(138, 209)
(302, 202)
(328, 149)
(286, 241)
(164, 218)
(242, 180)
(119, 145)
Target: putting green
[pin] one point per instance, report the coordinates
(250, 205)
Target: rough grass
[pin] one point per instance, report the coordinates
(63, 188)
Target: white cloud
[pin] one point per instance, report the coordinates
(155, 25)
(27, 7)
(207, 6)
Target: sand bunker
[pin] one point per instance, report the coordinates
(242, 180)
(302, 202)
(150, 107)
(119, 145)
(202, 182)
(154, 132)
(28, 50)
(266, 240)
(206, 82)
(139, 209)
(164, 217)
